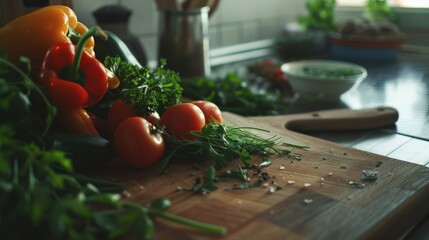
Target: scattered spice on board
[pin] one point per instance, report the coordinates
(274, 188)
(265, 163)
(369, 175)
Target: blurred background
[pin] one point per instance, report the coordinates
(235, 21)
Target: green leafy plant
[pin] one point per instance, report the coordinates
(321, 15)
(149, 90)
(378, 10)
(233, 94)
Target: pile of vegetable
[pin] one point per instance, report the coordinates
(63, 111)
(267, 74)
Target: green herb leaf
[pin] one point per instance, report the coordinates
(148, 90)
(208, 184)
(240, 173)
(233, 94)
(222, 144)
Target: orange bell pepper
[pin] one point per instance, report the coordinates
(31, 35)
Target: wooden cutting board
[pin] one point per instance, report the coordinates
(317, 200)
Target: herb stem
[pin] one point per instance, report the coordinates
(206, 227)
(295, 145)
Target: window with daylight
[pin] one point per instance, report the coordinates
(393, 3)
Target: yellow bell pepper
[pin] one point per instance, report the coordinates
(31, 35)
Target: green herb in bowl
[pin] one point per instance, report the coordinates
(323, 79)
(327, 72)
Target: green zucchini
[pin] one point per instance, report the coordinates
(114, 47)
(86, 152)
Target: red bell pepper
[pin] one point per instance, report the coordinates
(73, 78)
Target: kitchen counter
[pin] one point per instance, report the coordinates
(402, 84)
(360, 184)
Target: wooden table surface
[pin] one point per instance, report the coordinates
(404, 85)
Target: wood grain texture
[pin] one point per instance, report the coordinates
(321, 203)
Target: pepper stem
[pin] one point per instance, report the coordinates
(73, 73)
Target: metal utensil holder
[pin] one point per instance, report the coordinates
(184, 41)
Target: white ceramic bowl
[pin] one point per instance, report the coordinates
(323, 79)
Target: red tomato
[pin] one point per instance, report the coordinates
(182, 118)
(118, 112)
(211, 111)
(136, 143)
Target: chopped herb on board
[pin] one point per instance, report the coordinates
(357, 185)
(207, 184)
(240, 174)
(247, 185)
(221, 144)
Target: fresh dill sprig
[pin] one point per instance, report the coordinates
(221, 144)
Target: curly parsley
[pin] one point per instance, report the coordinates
(149, 90)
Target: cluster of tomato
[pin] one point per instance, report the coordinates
(137, 140)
